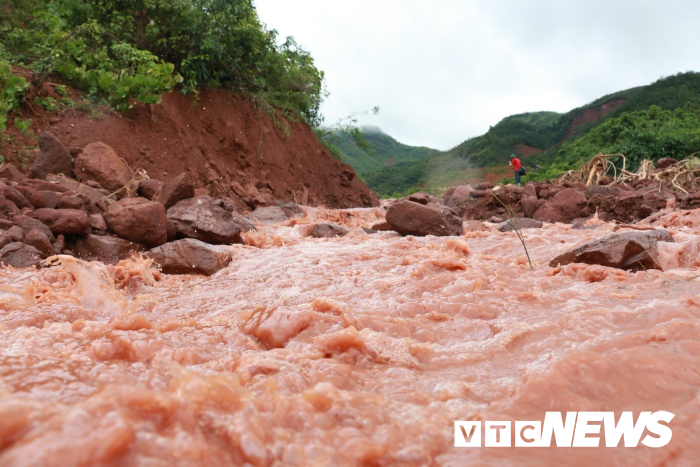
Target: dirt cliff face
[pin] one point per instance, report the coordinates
(223, 142)
(593, 114)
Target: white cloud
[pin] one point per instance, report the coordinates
(445, 71)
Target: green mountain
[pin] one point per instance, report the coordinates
(387, 166)
(653, 121)
(542, 133)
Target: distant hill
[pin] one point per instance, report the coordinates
(548, 139)
(544, 132)
(388, 166)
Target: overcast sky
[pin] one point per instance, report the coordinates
(444, 71)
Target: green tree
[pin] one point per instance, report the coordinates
(138, 49)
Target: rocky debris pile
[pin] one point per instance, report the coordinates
(549, 202)
(89, 204)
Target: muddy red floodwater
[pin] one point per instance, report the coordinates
(360, 350)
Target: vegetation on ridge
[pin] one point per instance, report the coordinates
(645, 122)
(123, 50)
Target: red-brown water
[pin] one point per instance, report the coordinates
(356, 350)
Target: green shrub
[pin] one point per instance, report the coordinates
(138, 49)
(12, 90)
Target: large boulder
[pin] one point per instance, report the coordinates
(63, 221)
(565, 206)
(409, 218)
(104, 248)
(190, 256)
(632, 251)
(99, 162)
(53, 158)
(529, 201)
(176, 189)
(150, 188)
(138, 220)
(268, 215)
(207, 219)
(19, 255)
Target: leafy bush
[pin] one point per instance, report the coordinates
(650, 134)
(12, 90)
(139, 49)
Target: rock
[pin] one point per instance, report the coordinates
(8, 208)
(50, 199)
(456, 192)
(5, 238)
(44, 185)
(138, 220)
(40, 241)
(59, 244)
(602, 190)
(565, 206)
(15, 196)
(63, 221)
(105, 248)
(268, 215)
(521, 223)
(253, 197)
(666, 162)
(632, 251)
(102, 164)
(28, 224)
(420, 197)
(626, 206)
(11, 173)
(53, 158)
(243, 222)
(97, 222)
(409, 218)
(291, 209)
(529, 201)
(480, 193)
(382, 227)
(190, 256)
(485, 186)
(15, 234)
(204, 219)
(72, 200)
(31, 195)
(327, 231)
(150, 188)
(19, 255)
(177, 189)
(97, 197)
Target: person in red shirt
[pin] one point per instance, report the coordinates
(517, 166)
